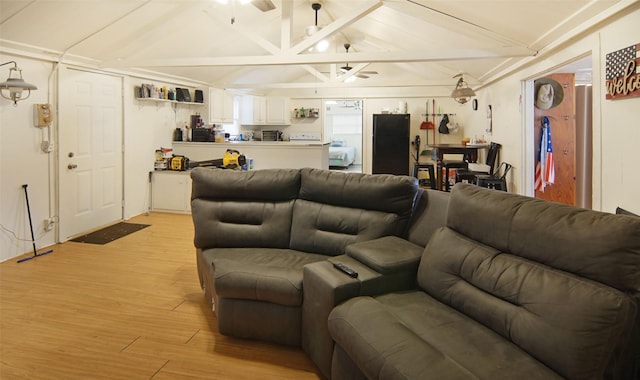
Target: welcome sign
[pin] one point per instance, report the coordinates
(623, 73)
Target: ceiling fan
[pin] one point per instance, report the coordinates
(360, 74)
(263, 5)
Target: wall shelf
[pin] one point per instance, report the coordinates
(305, 113)
(168, 101)
(438, 114)
(153, 93)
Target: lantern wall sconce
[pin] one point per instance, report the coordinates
(13, 88)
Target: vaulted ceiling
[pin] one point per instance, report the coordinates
(235, 45)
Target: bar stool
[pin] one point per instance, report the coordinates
(468, 177)
(464, 165)
(432, 175)
(493, 181)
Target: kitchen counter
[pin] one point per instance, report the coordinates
(253, 143)
(265, 154)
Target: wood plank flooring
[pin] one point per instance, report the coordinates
(129, 309)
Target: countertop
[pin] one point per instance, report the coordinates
(253, 143)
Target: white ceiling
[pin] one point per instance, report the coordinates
(407, 42)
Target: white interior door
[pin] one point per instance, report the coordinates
(90, 151)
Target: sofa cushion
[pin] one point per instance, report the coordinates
(572, 324)
(328, 229)
(243, 209)
(336, 209)
(411, 335)
(386, 193)
(388, 254)
(262, 274)
(599, 246)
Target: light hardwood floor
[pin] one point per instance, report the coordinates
(130, 309)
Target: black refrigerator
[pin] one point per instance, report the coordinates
(391, 144)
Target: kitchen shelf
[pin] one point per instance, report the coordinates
(309, 113)
(438, 114)
(167, 101)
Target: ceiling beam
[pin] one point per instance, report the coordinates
(286, 24)
(315, 73)
(335, 26)
(301, 59)
(333, 84)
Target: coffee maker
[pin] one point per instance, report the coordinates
(196, 121)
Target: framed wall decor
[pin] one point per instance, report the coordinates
(623, 73)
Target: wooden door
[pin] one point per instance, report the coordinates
(563, 137)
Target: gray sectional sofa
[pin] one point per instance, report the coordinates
(475, 284)
(256, 230)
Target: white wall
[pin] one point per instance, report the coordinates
(147, 127)
(23, 162)
(615, 130)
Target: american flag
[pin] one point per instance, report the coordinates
(617, 61)
(545, 168)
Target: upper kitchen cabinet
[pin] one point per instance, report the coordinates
(278, 111)
(260, 110)
(220, 106)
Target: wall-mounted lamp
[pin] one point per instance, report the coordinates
(462, 93)
(12, 88)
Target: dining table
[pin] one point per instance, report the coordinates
(468, 151)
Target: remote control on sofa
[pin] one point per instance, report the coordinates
(343, 268)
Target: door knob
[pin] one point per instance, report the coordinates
(72, 166)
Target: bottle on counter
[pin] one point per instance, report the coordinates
(177, 134)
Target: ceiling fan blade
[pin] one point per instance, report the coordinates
(263, 5)
(369, 72)
(362, 76)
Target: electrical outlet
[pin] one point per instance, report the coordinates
(48, 224)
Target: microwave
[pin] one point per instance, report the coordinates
(270, 135)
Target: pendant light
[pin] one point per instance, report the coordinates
(322, 45)
(462, 93)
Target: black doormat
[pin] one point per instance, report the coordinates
(110, 233)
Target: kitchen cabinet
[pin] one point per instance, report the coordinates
(260, 110)
(278, 111)
(171, 191)
(254, 110)
(220, 106)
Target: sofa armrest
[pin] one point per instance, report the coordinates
(387, 255)
(384, 265)
(324, 287)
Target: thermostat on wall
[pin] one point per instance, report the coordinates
(42, 115)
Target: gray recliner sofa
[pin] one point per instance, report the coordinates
(472, 284)
(511, 288)
(256, 230)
